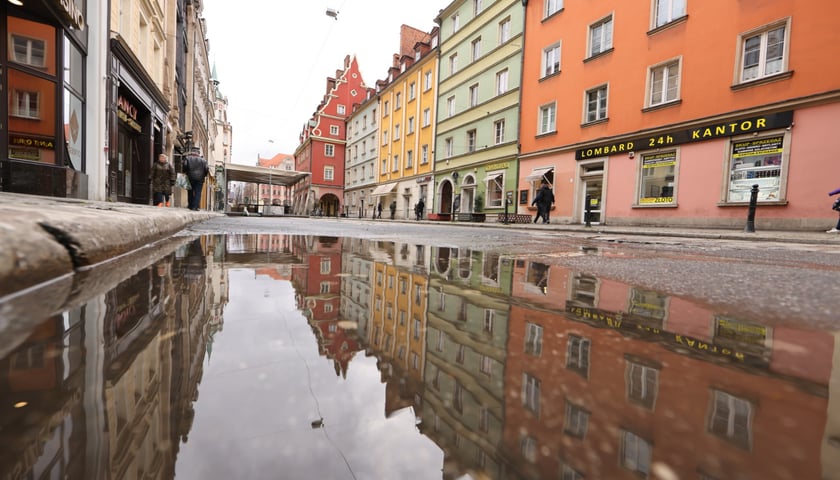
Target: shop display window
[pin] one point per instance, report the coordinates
(757, 161)
(657, 180)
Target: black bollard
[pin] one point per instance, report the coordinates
(588, 211)
(750, 228)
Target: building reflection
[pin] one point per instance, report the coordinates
(106, 389)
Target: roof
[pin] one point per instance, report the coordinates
(269, 176)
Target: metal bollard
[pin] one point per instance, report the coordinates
(750, 228)
(588, 211)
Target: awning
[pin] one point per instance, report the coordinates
(538, 173)
(383, 189)
(492, 176)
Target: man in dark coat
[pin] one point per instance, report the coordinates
(393, 208)
(543, 200)
(418, 209)
(195, 166)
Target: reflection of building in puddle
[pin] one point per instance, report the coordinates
(110, 384)
(609, 364)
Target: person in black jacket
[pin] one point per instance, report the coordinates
(543, 200)
(195, 166)
(163, 179)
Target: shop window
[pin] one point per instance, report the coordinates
(495, 189)
(647, 307)
(657, 178)
(757, 161)
(742, 336)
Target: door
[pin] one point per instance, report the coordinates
(592, 189)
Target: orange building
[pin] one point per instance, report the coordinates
(636, 105)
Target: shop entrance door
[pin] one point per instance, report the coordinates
(592, 188)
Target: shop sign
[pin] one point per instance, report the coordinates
(72, 13)
(705, 132)
(424, 179)
(26, 141)
(497, 166)
(24, 153)
(128, 113)
(764, 146)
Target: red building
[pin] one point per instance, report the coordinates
(322, 144)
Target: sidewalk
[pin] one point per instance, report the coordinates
(44, 238)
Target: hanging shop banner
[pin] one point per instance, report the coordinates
(699, 134)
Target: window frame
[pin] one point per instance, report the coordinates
(499, 131)
(29, 45)
(548, 54)
(472, 135)
(475, 49)
(599, 116)
(550, 7)
(473, 92)
(329, 150)
(502, 81)
(671, 16)
(604, 36)
(505, 30)
(666, 67)
(763, 32)
(764, 195)
(657, 156)
(544, 128)
(329, 173)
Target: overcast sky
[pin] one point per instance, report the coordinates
(273, 57)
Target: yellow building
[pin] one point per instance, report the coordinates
(407, 126)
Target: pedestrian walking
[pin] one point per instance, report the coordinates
(195, 166)
(162, 180)
(418, 209)
(393, 208)
(836, 207)
(378, 211)
(543, 200)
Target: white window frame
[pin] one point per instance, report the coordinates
(531, 393)
(409, 158)
(427, 81)
(456, 22)
(384, 137)
(397, 131)
(636, 453)
(497, 180)
(475, 49)
(340, 109)
(448, 147)
(424, 154)
(600, 36)
(471, 140)
(329, 150)
(547, 119)
(397, 100)
(453, 64)
(395, 167)
(504, 30)
(551, 60)
(499, 132)
(502, 79)
(450, 106)
(648, 164)
(329, 173)
(410, 126)
(411, 91)
(30, 45)
(427, 117)
(333, 129)
(758, 174)
(600, 112)
(473, 95)
(659, 83)
(664, 12)
(552, 7)
(762, 69)
(26, 104)
(476, 7)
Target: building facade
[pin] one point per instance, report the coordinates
(407, 103)
(322, 144)
(360, 159)
(663, 124)
(476, 142)
(52, 134)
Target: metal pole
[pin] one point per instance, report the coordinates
(750, 228)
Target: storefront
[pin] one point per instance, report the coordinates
(43, 68)
(137, 118)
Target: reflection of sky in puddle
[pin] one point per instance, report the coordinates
(255, 356)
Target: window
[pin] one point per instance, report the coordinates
(427, 80)
(531, 394)
(461, 354)
(384, 137)
(470, 140)
(453, 63)
(411, 91)
(666, 11)
(415, 361)
(501, 82)
(489, 320)
(398, 101)
(329, 173)
(552, 7)
(448, 147)
(329, 150)
(441, 341)
(476, 49)
(486, 366)
(576, 421)
(410, 126)
(385, 108)
(635, 453)
(427, 117)
(569, 473)
(396, 164)
(551, 60)
(473, 95)
(763, 53)
(596, 104)
(29, 51)
(450, 106)
(664, 81)
(528, 448)
(397, 131)
(757, 161)
(656, 185)
(577, 355)
(548, 115)
(384, 166)
(333, 129)
(533, 339)
(642, 384)
(731, 419)
(476, 7)
(484, 419)
(326, 265)
(504, 30)
(409, 159)
(325, 287)
(600, 36)
(26, 104)
(340, 109)
(424, 154)
(499, 132)
(495, 189)
(456, 22)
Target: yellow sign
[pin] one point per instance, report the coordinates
(649, 200)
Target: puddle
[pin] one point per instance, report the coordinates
(269, 356)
